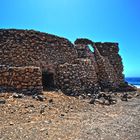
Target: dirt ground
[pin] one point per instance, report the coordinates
(60, 117)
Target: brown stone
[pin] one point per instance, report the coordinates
(71, 67)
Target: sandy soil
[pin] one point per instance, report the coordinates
(60, 117)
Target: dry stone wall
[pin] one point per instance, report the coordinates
(22, 48)
(27, 80)
(111, 51)
(32, 48)
(77, 78)
(106, 74)
(73, 67)
(84, 51)
(105, 70)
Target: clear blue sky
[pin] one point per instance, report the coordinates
(99, 20)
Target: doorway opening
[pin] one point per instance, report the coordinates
(48, 80)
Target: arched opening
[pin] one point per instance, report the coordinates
(91, 48)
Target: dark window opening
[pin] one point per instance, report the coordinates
(48, 80)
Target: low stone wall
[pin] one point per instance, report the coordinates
(27, 80)
(77, 78)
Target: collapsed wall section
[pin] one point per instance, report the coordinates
(111, 52)
(106, 75)
(27, 80)
(103, 61)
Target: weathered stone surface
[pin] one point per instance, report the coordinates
(110, 51)
(2, 101)
(78, 78)
(107, 76)
(27, 80)
(32, 48)
(25, 55)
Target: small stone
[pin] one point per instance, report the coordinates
(62, 115)
(11, 123)
(42, 110)
(100, 101)
(30, 105)
(92, 101)
(106, 102)
(124, 97)
(43, 129)
(89, 94)
(59, 91)
(2, 101)
(136, 94)
(34, 96)
(48, 121)
(81, 97)
(15, 95)
(41, 98)
(130, 97)
(51, 101)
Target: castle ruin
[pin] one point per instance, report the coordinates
(31, 61)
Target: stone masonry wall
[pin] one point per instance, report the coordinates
(107, 76)
(77, 78)
(25, 54)
(32, 48)
(111, 51)
(27, 80)
(83, 51)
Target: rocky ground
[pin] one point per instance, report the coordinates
(60, 117)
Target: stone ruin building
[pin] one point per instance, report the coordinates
(31, 61)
